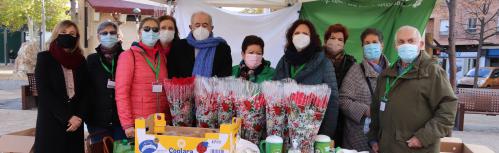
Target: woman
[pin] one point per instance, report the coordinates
(139, 76)
(305, 62)
(168, 33)
(335, 39)
(358, 88)
(103, 119)
(253, 67)
(61, 76)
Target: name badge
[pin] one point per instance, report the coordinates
(111, 84)
(382, 106)
(157, 88)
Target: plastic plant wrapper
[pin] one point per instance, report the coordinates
(180, 96)
(275, 108)
(307, 105)
(251, 109)
(226, 87)
(206, 102)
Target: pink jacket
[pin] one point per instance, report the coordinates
(134, 80)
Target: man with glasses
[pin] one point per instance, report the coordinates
(200, 54)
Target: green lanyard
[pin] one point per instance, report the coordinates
(108, 70)
(295, 72)
(155, 70)
(389, 86)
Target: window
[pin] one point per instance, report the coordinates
(444, 27)
(472, 24)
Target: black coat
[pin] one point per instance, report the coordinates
(102, 101)
(55, 109)
(181, 60)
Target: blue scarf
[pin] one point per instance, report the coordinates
(203, 66)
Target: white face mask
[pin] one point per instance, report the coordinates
(301, 41)
(166, 36)
(201, 33)
(408, 52)
(252, 61)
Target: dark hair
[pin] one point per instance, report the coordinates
(314, 37)
(106, 24)
(145, 20)
(167, 17)
(334, 29)
(371, 31)
(252, 40)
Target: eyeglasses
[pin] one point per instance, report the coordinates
(154, 29)
(110, 32)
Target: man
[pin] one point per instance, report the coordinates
(414, 104)
(200, 54)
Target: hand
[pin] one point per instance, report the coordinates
(414, 143)
(130, 132)
(368, 112)
(73, 124)
(375, 147)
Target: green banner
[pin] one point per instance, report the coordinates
(357, 15)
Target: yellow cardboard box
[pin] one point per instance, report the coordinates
(151, 138)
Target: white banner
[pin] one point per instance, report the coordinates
(233, 27)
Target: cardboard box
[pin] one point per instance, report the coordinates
(18, 142)
(456, 145)
(155, 137)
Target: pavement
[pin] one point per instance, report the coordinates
(478, 129)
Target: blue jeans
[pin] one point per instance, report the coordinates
(97, 133)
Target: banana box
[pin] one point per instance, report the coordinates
(152, 136)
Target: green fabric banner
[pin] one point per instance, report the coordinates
(357, 15)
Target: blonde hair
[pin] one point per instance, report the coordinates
(59, 28)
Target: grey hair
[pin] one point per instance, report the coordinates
(105, 24)
(408, 27)
(202, 13)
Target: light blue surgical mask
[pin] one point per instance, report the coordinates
(408, 52)
(372, 51)
(108, 40)
(150, 38)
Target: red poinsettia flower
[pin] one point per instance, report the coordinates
(302, 108)
(288, 110)
(257, 128)
(277, 110)
(247, 105)
(225, 107)
(298, 97)
(286, 133)
(203, 125)
(318, 116)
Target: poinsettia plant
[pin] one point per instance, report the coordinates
(305, 113)
(180, 97)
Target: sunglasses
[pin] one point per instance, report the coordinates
(154, 29)
(110, 32)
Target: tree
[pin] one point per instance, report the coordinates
(451, 6)
(15, 14)
(480, 25)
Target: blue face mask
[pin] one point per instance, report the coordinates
(108, 40)
(150, 38)
(372, 51)
(408, 52)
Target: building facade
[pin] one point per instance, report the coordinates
(466, 27)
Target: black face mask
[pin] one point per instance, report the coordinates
(66, 41)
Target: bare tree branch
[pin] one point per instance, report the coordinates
(487, 37)
(476, 39)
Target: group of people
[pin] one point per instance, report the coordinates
(377, 106)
